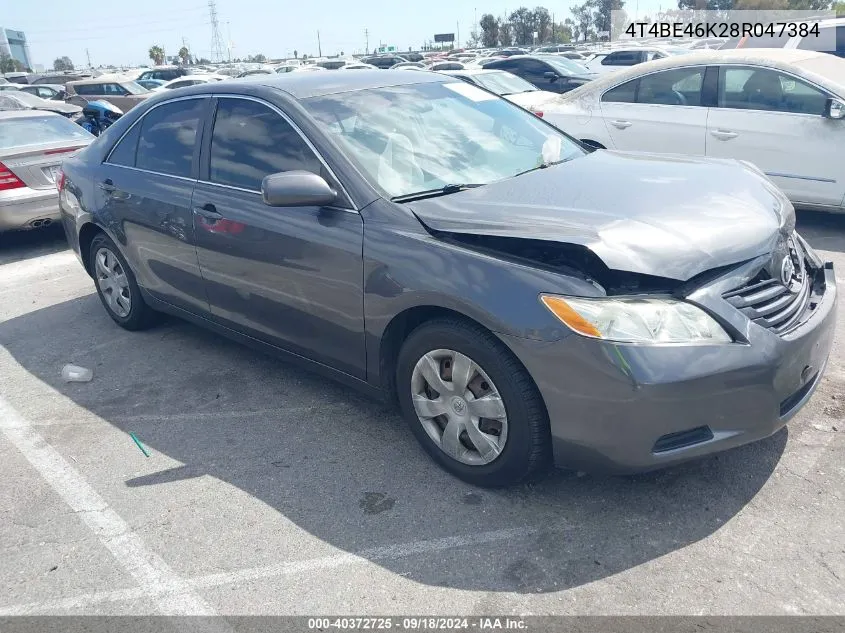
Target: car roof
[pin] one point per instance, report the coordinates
(777, 58)
(102, 79)
(306, 85)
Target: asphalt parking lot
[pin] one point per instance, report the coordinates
(269, 490)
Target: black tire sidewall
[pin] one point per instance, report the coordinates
(513, 464)
(137, 312)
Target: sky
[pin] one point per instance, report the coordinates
(122, 32)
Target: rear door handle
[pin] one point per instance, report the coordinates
(209, 212)
(724, 135)
(621, 124)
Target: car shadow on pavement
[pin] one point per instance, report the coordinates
(824, 231)
(16, 246)
(347, 471)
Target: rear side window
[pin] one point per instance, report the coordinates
(168, 137)
(251, 141)
(626, 93)
(681, 86)
(124, 152)
(89, 89)
(622, 58)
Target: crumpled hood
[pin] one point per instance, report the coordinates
(656, 214)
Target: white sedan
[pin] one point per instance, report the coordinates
(782, 110)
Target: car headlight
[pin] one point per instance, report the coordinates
(636, 320)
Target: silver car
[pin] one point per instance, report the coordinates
(32, 147)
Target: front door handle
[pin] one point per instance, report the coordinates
(209, 212)
(724, 135)
(621, 124)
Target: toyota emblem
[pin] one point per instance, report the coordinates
(787, 270)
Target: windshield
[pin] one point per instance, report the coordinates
(36, 130)
(567, 66)
(28, 99)
(413, 138)
(134, 88)
(503, 83)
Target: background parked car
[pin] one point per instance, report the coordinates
(32, 146)
(509, 86)
(122, 93)
(257, 71)
(20, 100)
(359, 66)
(165, 73)
(192, 80)
(409, 65)
(446, 65)
(59, 78)
(547, 72)
(831, 39)
(782, 110)
(150, 84)
(384, 61)
(46, 91)
(612, 60)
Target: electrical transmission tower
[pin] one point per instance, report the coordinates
(216, 41)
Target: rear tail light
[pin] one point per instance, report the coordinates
(60, 180)
(8, 179)
(539, 114)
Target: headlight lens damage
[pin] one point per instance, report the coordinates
(636, 320)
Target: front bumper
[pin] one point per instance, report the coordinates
(19, 208)
(629, 408)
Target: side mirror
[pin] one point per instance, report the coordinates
(834, 109)
(551, 76)
(296, 189)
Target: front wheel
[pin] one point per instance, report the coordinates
(472, 405)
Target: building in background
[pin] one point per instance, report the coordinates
(13, 44)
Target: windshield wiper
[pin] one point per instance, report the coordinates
(433, 193)
(541, 166)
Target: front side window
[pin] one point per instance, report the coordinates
(764, 89)
(413, 138)
(681, 86)
(251, 141)
(168, 137)
(113, 90)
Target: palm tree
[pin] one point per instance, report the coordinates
(184, 55)
(157, 54)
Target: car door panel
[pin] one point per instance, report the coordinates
(152, 211)
(748, 126)
(648, 114)
(288, 276)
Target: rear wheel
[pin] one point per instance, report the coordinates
(471, 404)
(117, 287)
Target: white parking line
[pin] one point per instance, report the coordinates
(173, 594)
(389, 552)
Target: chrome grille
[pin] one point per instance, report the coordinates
(768, 301)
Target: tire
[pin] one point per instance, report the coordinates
(516, 447)
(139, 315)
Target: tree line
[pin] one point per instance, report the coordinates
(591, 20)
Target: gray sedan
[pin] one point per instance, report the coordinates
(32, 147)
(424, 240)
